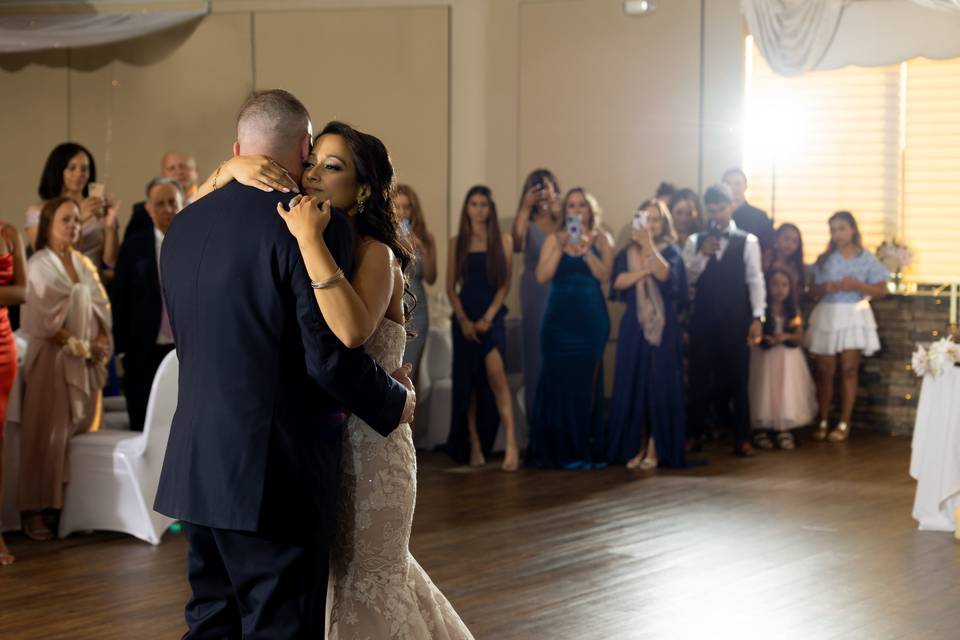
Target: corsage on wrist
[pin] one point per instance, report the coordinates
(77, 348)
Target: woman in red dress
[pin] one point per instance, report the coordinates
(13, 291)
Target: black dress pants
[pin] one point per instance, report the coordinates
(250, 586)
(719, 376)
(139, 368)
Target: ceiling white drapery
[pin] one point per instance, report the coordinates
(795, 36)
(43, 25)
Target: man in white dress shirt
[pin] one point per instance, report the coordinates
(141, 327)
(724, 264)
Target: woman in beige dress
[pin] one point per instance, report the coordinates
(67, 320)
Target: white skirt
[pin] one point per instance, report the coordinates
(782, 395)
(842, 326)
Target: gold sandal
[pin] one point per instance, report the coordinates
(820, 433)
(841, 433)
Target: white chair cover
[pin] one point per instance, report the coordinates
(114, 474)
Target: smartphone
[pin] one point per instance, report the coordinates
(714, 230)
(405, 226)
(96, 190)
(575, 229)
(640, 220)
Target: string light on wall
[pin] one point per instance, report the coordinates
(639, 7)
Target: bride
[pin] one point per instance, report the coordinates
(378, 589)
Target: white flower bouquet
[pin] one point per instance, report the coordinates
(894, 256)
(934, 359)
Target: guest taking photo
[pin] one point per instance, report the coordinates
(567, 417)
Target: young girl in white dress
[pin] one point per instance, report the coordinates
(842, 327)
(782, 395)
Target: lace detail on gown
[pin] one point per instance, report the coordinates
(379, 591)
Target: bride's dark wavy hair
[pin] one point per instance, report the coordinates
(378, 220)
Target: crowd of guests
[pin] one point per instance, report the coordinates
(712, 334)
(83, 301)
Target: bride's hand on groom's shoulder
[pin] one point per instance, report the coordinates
(261, 172)
(307, 218)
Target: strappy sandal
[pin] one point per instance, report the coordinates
(642, 463)
(40, 533)
(511, 463)
(841, 433)
(6, 558)
(763, 441)
(786, 441)
(820, 433)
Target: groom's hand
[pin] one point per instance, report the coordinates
(402, 375)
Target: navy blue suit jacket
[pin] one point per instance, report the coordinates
(135, 295)
(255, 441)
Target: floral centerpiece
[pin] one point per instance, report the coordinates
(934, 359)
(895, 257)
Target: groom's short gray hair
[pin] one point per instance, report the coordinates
(272, 117)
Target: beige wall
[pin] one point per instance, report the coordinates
(462, 91)
(180, 89)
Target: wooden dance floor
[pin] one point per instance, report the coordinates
(812, 544)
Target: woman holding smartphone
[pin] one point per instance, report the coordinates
(566, 421)
(424, 269)
(71, 172)
(647, 415)
(537, 217)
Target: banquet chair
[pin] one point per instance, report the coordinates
(114, 474)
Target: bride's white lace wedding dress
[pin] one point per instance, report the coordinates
(378, 589)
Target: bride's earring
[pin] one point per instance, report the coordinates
(360, 206)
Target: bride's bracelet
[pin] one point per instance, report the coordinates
(329, 282)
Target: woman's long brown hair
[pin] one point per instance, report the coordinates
(417, 223)
(496, 260)
(857, 240)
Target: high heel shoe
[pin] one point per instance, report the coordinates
(841, 433)
(477, 459)
(39, 532)
(6, 558)
(511, 459)
(639, 462)
(820, 433)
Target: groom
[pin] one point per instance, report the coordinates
(252, 462)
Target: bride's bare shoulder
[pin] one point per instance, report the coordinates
(374, 254)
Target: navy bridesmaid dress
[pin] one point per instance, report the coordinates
(533, 303)
(469, 372)
(648, 392)
(566, 424)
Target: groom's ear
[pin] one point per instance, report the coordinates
(236, 148)
(305, 145)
